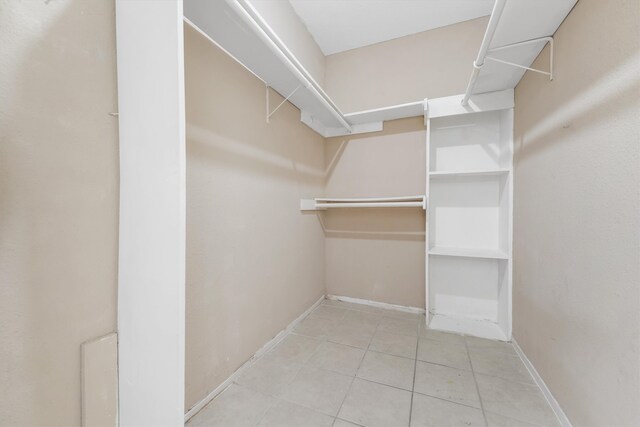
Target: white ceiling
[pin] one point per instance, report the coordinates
(339, 25)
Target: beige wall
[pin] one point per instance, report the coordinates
(377, 254)
(284, 21)
(577, 225)
(58, 202)
(430, 64)
(254, 262)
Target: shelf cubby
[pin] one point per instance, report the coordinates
(470, 142)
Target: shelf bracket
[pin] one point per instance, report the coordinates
(269, 114)
(546, 39)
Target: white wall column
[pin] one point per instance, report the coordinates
(151, 278)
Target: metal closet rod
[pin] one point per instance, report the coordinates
(496, 13)
(248, 13)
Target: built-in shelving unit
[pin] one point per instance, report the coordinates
(469, 187)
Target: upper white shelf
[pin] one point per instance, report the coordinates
(238, 28)
(401, 111)
(520, 21)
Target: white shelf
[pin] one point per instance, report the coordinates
(469, 253)
(520, 21)
(474, 327)
(237, 28)
(444, 174)
(394, 112)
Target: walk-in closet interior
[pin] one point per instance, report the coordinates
(320, 213)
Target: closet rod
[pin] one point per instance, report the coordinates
(370, 205)
(371, 199)
(248, 13)
(377, 202)
(498, 7)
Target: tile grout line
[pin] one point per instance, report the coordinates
(415, 368)
(356, 373)
(475, 381)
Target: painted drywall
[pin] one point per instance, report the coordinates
(254, 261)
(58, 202)
(151, 262)
(284, 21)
(576, 216)
(430, 64)
(377, 254)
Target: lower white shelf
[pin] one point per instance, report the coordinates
(468, 253)
(471, 173)
(466, 326)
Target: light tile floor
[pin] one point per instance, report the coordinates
(356, 365)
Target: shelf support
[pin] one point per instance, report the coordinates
(498, 7)
(269, 114)
(546, 39)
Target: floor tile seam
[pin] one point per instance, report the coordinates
(383, 384)
(379, 311)
(475, 381)
(345, 397)
(363, 355)
(397, 333)
(274, 403)
(389, 354)
(445, 342)
(275, 396)
(415, 368)
(300, 335)
(308, 407)
(478, 373)
(348, 345)
(511, 417)
(347, 421)
(532, 384)
(447, 400)
(354, 375)
(444, 366)
(474, 350)
(284, 398)
(353, 309)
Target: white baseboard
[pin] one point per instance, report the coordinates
(562, 417)
(406, 309)
(265, 348)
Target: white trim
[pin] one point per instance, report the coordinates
(258, 354)
(384, 305)
(152, 212)
(555, 406)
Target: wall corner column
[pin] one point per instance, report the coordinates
(151, 272)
